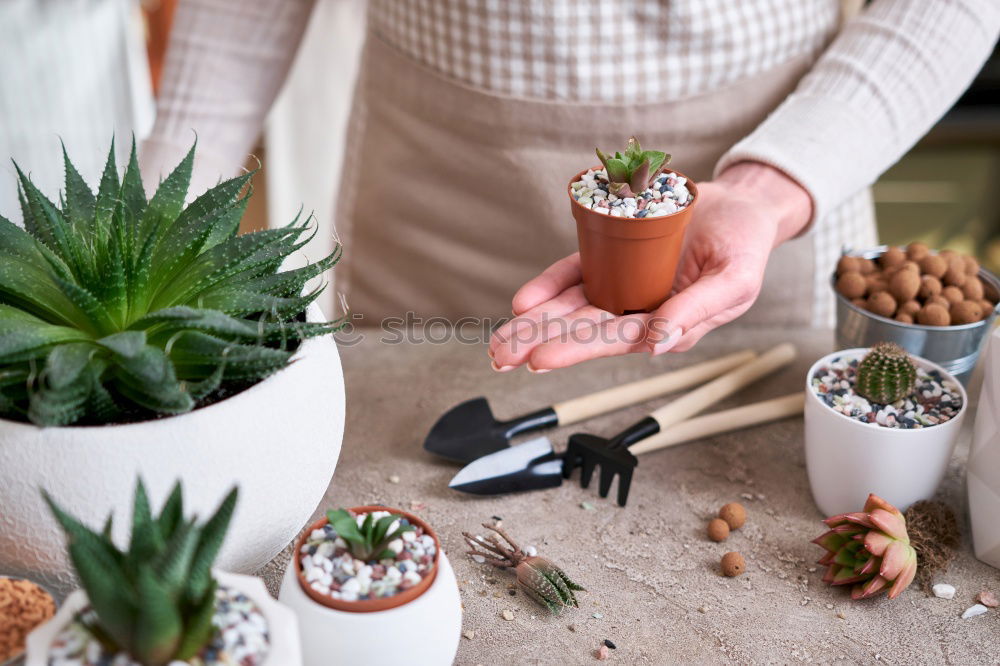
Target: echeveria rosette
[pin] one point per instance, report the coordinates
(632, 172)
(869, 550)
(117, 308)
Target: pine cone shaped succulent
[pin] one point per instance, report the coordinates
(546, 583)
(886, 374)
(869, 550)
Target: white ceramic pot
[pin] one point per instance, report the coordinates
(424, 632)
(278, 440)
(282, 625)
(847, 459)
(984, 461)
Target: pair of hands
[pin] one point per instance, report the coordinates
(741, 216)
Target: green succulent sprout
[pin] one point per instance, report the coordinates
(886, 374)
(370, 540)
(114, 308)
(632, 172)
(154, 601)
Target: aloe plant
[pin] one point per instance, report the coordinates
(117, 308)
(154, 601)
(632, 172)
(370, 540)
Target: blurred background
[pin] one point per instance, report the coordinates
(945, 192)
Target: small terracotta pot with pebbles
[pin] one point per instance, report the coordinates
(630, 219)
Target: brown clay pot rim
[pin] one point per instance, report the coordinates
(691, 185)
(368, 605)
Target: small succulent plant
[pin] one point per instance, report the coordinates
(370, 540)
(114, 308)
(154, 601)
(540, 579)
(869, 550)
(632, 172)
(886, 374)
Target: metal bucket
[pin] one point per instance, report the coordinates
(955, 348)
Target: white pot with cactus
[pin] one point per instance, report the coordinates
(879, 421)
(160, 601)
(379, 576)
(149, 337)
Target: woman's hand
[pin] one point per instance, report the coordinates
(741, 216)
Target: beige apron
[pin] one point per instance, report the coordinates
(453, 197)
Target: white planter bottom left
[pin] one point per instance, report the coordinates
(282, 624)
(424, 632)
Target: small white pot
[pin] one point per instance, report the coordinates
(424, 632)
(984, 461)
(282, 625)
(847, 459)
(279, 440)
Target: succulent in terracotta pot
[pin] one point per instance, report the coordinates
(159, 601)
(630, 218)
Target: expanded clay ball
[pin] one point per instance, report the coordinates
(904, 285)
(933, 315)
(904, 318)
(929, 286)
(955, 275)
(953, 294)
(892, 257)
(909, 308)
(734, 514)
(876, 282)
(971, 265)
(935, 265)
(973, 289)
(966, 312)
(733, 564)
(916, 251)
(881, 303)
(859, 303)
(847, 264)
(718, 529)
(987, 305)
(852, 284)
(865, 266)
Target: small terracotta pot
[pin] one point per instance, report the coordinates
(629, 264)
(367, 605)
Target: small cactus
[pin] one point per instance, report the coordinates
(886, 374)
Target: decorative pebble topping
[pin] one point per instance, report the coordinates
(241, 638)
(667, 194)
(331, 569)
(934, 400)
(944, 591)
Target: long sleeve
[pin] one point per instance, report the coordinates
(893, 71)
(226, 62)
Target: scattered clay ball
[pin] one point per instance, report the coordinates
(909, 308)
(882, 303)
(733, 564)
(892, 257)
(971, 265)
(904, 318)
(916, 251)
(966, 312)
(935, 265)
(972, 289)
(734, 514)
(852, 284)
(859, 303)
(955, 275)
(953, 294)
(876, 283)
(865, 266)
(987, 306)
(904, 285)
(929, 286)
(718, 529)
(847, 264)
(933, 315)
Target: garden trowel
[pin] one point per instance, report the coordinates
(469, 430)
(535, 464)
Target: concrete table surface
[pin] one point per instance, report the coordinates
(652, 577)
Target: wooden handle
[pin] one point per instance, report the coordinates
(705, 396)
(608, 400)
(725, 421)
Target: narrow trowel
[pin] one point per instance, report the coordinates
(535, 464)
(469, 430)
